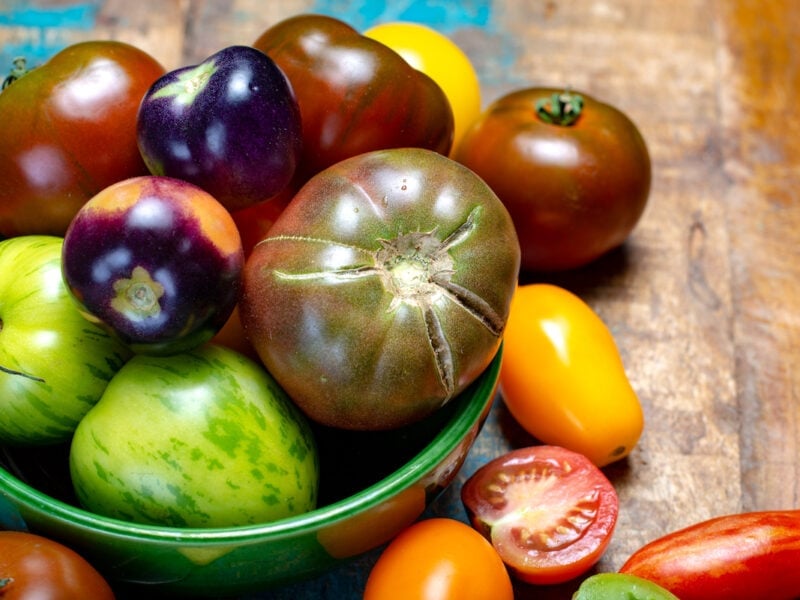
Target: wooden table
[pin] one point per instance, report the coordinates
(703, 299)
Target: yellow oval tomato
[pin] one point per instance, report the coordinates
(562, 377)
(439, 559)
(442, 60)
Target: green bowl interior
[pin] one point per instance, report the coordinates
(359, 470)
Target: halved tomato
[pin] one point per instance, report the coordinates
(549, 512)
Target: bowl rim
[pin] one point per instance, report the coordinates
(445, 441)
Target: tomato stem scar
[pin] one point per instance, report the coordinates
(563, 108)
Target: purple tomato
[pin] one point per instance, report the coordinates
(157, 260)
(230, 125)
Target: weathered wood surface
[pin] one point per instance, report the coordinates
(703, 300)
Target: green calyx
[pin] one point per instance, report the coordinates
(18, 69)
(563, 108)
(189, 84)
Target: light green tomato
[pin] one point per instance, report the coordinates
(200, 439)
(621, 586)
(54, 364)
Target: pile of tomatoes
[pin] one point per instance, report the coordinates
(362, 167)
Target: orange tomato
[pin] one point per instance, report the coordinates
(439, 559)
(562, 377)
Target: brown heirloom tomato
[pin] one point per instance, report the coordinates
(573, 172)
(32, 566)
(69, 130)
(383, 289)
(355, 94)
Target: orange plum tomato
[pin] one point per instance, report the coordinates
(438, 56)
(32, 566)
(69, 130)
(439, 559)
(562, 377)
(573, 172)
(549, 512)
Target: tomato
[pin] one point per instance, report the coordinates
(355, 94)
(437, 55)
(562, 377)
(255, 221)
(382, 290)
(732, 557)
(69, 130)
(620, 586)
(438, 559)
(53, 364)
(155, 260)
(574, 173)
(200, 439)
(32, 566)
(549, 512)
(230, 125)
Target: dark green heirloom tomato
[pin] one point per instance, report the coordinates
(355, 94)
(383, 289)
(619, 586)
(573, 172)
(69, 130)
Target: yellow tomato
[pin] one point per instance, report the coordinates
(442, 60)
(562, 377)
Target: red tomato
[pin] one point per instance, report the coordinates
(32, 566)
(549, 512)
(69, 130)
(439, 559)
(574, 174)
(733, 557)
(355, 94)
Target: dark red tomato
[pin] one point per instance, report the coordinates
(32, 566)
(573, 172)
(355, 94)
(383, 288)
(739, 556)
(549, 512)
(69, 130)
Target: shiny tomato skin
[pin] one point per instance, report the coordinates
(155, 260)
(69, 130)
(562, 376)
(382, 290)
(435, 54)
(355, 94)
(439, 559)
(574, 191)
(738, 556)
(549, 512)
(32, 566)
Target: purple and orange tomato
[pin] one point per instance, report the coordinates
(156, 260)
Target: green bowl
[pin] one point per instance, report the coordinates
(373, 484)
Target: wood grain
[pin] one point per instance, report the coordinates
(703, 299)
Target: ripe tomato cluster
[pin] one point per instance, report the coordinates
(344, 226)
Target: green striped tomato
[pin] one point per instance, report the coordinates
(54, 364)
(199, 439)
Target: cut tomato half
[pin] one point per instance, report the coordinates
(549, 512)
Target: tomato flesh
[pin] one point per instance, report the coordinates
(549, 512)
